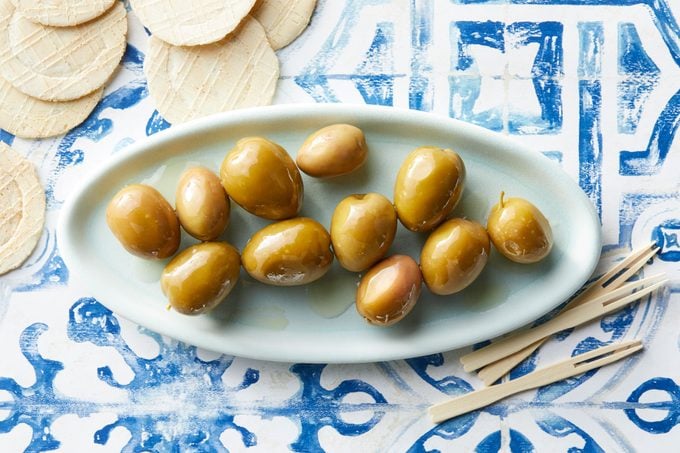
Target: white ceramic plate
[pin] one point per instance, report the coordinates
(318, 323)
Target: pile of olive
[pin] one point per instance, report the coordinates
(262, 178)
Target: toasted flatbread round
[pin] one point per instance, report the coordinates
(283, 20)
(60, 63)
(191, 23)
(62, 13)
(190, 82)
(22, 209)
(29, 117)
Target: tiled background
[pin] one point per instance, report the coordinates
(592, 84)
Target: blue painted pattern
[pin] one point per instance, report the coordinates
(509, 40)
(639, 77)
(671, 406)
(592, 84)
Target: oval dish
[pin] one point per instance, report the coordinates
(318, 323)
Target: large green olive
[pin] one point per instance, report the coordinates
(199, 278)
(389, 290)
(362, 230)
(454, 255)
(202, 204)
(519, 230)
(261, 177)
(429, 185)
(332, 151)
(289, 253)
(144, 222)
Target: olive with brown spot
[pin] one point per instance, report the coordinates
(261, 177)
(389, 290)
(454, 255)
(201, 277)
(362, 230)
(519, 230)
(144, 222)
(429, 185)
(202, 204)
(289, 253)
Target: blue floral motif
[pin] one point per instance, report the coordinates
(450, 385)
(545, 76)
(176, 363)
(317, 407)
(672, 407)
(38, 405)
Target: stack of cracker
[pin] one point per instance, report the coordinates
(55, 58)
(22, 209)
(210, 56)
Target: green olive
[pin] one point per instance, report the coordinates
(362, 230)
(389, 290)
(202, 204)
(260, 176)
(429, 185)
(201, 277)
(144, 222)
(519, 230)
(289, 253)
(454, 255)
(332, 151)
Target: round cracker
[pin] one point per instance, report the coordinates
(22, 209)
(62, 13)
(189, 82)
(29, 117)
(60, 63)
(283, 20)
(191, 23)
